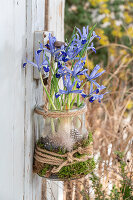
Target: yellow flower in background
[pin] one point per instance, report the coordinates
(112, 51)
(104, 5)
(130, 31)
(99, 31)
(89, 64)
(94, 3)
(127, 18)
(113, 24)
(106, 19)
(104, 39)
(130, 105)
(125, 60)
(123, 52)
(130, 4)
(127, 7)
(117, 31)
(104, 10)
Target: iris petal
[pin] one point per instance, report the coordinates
(46, 69)
(39, 51)
(83, 95)
(24, 65)
(57, 95)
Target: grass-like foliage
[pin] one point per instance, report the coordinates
(123, 190)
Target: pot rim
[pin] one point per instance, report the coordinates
(77, 110)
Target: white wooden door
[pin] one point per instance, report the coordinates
(19, 93)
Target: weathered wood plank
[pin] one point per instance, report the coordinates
(35, 22)
(56, 25)
(12, 45)
(56, 18)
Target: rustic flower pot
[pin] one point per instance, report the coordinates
(65, 150)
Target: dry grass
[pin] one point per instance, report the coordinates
(112, 125)
(110, 121)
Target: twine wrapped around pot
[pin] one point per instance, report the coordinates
(58, 114)
(52, 158)
(67, 125)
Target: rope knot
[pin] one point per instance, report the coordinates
(69, 157)
(80, 150)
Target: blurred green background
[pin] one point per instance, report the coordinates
(114, 24)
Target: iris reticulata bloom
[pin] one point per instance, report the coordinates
(67, 63)
(44, 64)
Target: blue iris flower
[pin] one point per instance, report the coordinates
(94, 35)
(92, 47)
(78, 43)
(94, 75)
(78, 70)
(83, 35)
(83, 95)
(59, 64)
(51, 47)
(68, 54)
(99, 87)
(69, 86)
(79, 40)
(39, 65)
(97, 96)
(52, 40)
(24, 65)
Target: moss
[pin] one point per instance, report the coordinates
(71, 171)
(45, 169)
(77, 169)
(86, 142)
(39, 144)
(61, 151)
(78, 155)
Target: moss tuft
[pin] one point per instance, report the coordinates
(86, 142)
(45, 169)
(39, 144)
(77, 169)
